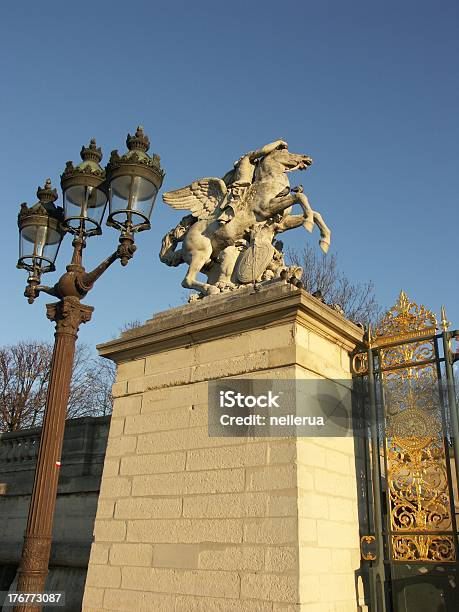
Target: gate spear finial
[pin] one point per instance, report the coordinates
(444, 321)
(369, 336)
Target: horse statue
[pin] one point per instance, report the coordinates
(231, 227)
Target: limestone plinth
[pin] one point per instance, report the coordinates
(188, 522)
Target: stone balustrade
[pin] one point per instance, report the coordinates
(18, 447)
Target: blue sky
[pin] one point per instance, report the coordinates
(369, 90)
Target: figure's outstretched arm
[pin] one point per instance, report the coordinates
(272, 146)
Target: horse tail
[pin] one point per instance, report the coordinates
(170, 241)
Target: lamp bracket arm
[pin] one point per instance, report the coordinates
(49, 290)
(124, 252)
(87, 279)
(33, 290)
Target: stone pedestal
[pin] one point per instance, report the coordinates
(187, 522)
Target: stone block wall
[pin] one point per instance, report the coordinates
(188, 522)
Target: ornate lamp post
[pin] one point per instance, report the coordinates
(129, 184)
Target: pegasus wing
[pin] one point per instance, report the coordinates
(201, 197)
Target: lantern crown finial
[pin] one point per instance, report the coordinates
(91, 153)
(45, 206)
(89, 169)
(139, 141)
(47, 193)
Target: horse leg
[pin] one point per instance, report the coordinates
(278, 205)
(325, 232)
(191, 282)
(307, 209)
(315, 217)
(228, 260)
(198, 251)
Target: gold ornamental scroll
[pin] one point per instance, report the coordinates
(418, 491)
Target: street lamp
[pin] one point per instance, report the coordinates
(129, 184)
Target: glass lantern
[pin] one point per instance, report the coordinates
(134, 181)
(85, 197)
(40, 232)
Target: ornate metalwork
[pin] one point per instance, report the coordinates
(405, 320)
(36, 551)
(368, 547)
(360, 364)
(47, 195)
(436, 549)
(419, 493)
(68, 314)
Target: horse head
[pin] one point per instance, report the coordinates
(289, 161)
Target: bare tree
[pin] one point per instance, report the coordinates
(321, 276)
(24, 375)
(91, 386)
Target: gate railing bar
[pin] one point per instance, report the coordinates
(446, 442)
(451, 392)
(447, 532)
(378, 570)
(381, 343)
(397, 341)
(407, 364)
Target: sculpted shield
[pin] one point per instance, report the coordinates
(255, 260)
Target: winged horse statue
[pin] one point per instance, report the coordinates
(227, 216)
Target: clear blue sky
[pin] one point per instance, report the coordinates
(370, 90)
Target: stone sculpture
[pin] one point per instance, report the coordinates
(230, 235)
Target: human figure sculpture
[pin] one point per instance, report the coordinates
(240, 178)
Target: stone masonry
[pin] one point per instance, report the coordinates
(191, 523)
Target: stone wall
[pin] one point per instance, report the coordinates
(187, 522)
(79, 483)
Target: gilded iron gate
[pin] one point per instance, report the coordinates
(410, 540)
